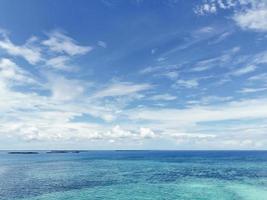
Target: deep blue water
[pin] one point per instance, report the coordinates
(200, 175)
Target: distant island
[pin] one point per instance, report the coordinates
(64, 151)
(23, 152)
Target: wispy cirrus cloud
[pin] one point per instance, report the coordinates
(28, 51)
(167, 71)
(219, 61)
(246, 109)
(208, 100)
(190, 83)
(122, 89)
(259, 77)
(60, 63)
(244, 70)
(10, 71)
(60, 43)
(163, 97)
(102, 44)
(60, 52)
(252, 90)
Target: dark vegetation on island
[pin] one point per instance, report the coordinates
(23, 152)
(64, 151)
(48, 152)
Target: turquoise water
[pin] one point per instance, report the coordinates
(146, 175)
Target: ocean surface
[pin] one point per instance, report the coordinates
(135, 175)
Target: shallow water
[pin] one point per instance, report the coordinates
(148, 175)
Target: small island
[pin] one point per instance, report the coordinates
(64, 151)
(23, 152)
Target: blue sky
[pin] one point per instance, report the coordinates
(136, 74)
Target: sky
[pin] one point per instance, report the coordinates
(135, 74)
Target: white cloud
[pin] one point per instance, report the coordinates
(160, 59)
(36, 115)
(191, 83)
(259, 77)
(253, 19)
(212, 6)
(28, 51)
(171, 74)
(121, 89)
(59, 63)
(218, 61)
(11, 72)
(214, 99)
(153, 51)
(168, 71)
(149, 70)
(60, 43)
(102, 44)
(236, 110)
(248, 14)
(187, 127)
(206, 8)
(146, 133)
(260, 58)
(64, 89)
(190, 136)
(252, 90)
(48, 119)
(118, 132)
(34, 52)
(220, 38)
(207, 64)
(163, 97)
(74, 112)
(244, 70)
(204, 30)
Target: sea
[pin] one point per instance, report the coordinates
(134, 175)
